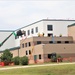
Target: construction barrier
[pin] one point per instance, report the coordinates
(1, 63)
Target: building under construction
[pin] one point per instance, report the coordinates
(40, 48)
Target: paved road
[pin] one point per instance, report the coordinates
(54, 64)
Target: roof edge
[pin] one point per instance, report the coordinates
(6, 30)
(11, 49)
(45, 20)
(57, 20)
(71, 25)
(29, 25)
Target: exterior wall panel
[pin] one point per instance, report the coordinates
(15, 52)
(71, 32)
(59, 27)
(40, 29)
(59, 48)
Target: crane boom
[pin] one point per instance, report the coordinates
(19, 33)
(7, 39)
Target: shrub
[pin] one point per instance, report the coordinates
(60, 35)
(6, 56)
(16, 60)
(59, 58)
(24, 60)
(54, 59)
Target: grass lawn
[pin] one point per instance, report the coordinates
(46, 70)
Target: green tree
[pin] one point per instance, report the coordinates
(6, 56)
(24, 60)
(16, 60)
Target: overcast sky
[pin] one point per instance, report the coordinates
(19, 13)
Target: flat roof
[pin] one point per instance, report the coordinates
(45, 20)
(6, 30)
(14, 48)
(11, 49)
(49, 38)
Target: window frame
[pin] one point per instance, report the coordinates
(29, 52)
(36, 29)
(50, 42)
(26, 52)
(40, 57)
(50, 34)
(32, 30)
(50, 27)
(49, 56)
(23, 45)
(29, 44)
(28, 32)
(58, 42)
(25, 33)
(38, 42)
(66, 42)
